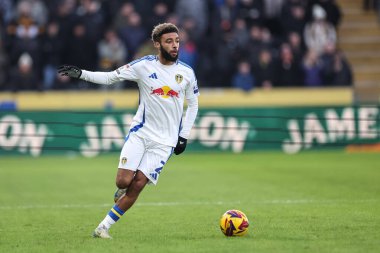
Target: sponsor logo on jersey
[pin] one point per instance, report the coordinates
(178, 78)
(196, 90)
(153, 76)
(165, 92)
(123, 160)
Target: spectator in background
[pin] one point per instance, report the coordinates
(143, 8)
(295, 42)
(52, 47)
(223, 31)
(6, 7)
(240, 33)
(3, 65)
(205, 67)
(173, 19)
(370, 4)
(133, 34)
(252, 11)
(190, 26)
(265, 70)
(77, 50)
(255, 44)
(159, 15)
(109, 10)
(224, 17)
(146, 48)
(268, 41)
(64, 15)
(187, 49)
(335, 68)
(272, 8)
(23, 77)
(196, 11)
(319, 32)
(288, 71)
(223, 61)
(111, 51)
(272, 14)
(333, 14)
(121, 19)
(293, 17)
(112, 54)
(90, 15)
(38, 11)
(23, 36)
(342, 74)
(311, 67)
(244, 78)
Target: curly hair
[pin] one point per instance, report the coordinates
(161, 29)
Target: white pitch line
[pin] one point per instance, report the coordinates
(72, 206)
(217, 203)
(322, 201)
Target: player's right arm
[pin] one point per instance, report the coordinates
(123, 73)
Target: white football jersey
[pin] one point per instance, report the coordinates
(163, 89)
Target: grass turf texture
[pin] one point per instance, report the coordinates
(310, 202)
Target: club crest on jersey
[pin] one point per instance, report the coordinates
(165, 92)
(123, 160)
(178, 78)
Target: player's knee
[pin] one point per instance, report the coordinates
(124, 178)
(139, 185)
(122, 183)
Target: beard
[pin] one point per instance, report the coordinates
(168, 56)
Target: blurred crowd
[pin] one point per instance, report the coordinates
(229, 43)
(371, 5)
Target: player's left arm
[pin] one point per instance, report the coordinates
(192, 94)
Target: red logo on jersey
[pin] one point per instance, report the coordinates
(165, 92)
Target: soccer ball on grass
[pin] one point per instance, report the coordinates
(234, 223)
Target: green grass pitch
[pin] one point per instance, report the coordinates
(310, 202)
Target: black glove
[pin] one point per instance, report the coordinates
(69, 70)
(181, 145)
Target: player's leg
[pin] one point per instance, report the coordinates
(151, 165)
(123, 204)
(130, 158)
(124, 177)
(134, 189)
(123, 180)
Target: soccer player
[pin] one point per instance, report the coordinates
(157, 128)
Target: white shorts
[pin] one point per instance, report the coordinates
(144, 155)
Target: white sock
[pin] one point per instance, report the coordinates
(107, 222)
(113, 215)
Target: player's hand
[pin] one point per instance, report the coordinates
(69, 70)
(181, 145)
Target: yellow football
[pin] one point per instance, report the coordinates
(234, 223)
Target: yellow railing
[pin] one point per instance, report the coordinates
(63, 100)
